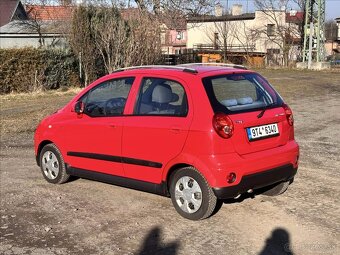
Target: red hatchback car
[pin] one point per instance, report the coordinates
(196, 133)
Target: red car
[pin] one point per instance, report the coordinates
(196, 133)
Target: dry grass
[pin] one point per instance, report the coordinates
(293, 84)
(21, 113)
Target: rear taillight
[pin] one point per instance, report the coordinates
(223, 125)
(289, 114)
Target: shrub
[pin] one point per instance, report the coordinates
(29, 69)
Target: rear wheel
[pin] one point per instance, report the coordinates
(52, 164)
(278, 189)
(191, 194)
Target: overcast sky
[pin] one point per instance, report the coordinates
(332, 6)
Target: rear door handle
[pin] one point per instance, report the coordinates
(175, 130)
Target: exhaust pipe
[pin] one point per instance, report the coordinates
(250, 191)
(237, 196)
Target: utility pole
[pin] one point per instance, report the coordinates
(314, 32)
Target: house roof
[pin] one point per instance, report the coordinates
(49, 12)
(294, 17)
(9, 9)
(228, 17)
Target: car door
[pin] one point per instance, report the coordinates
(93, 138)
(156, 131)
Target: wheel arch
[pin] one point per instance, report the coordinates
(201, 168)
(40, 147)
(172, 170)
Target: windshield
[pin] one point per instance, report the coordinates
(242, 92)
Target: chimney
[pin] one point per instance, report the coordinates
(218, 10)
(292, 12)
(236, 9)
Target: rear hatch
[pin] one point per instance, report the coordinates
(270, 130)
(254, 107)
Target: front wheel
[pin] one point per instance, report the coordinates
(191, 194)
(52, 164)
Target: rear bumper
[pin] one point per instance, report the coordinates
(257, 180)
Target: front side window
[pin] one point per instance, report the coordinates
(240, 92)
(107, 98)
(159, 96)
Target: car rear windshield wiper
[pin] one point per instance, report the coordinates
(264, 109)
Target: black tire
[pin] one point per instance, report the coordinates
(278, 189)
(52, 164)
(208, 199)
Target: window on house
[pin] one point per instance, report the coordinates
(270, 29)
(216, 41)
(273, 51)
(180, 35)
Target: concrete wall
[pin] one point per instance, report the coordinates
(29, 40)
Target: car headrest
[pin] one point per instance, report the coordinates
(229, 102)
(245, 100)
(162, 94)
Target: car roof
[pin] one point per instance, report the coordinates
(200, 69)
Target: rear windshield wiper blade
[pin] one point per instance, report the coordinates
(264, 109)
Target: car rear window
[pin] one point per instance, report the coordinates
(243, 92)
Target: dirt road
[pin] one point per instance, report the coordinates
(86, 217)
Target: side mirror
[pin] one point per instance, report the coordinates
(79, 107)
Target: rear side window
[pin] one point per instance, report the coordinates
(159, 96)
(107, 98)
(240, 93)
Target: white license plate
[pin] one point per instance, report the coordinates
(261, 132)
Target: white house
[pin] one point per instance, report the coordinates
(267, 32)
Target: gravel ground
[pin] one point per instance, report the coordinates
(87, 217)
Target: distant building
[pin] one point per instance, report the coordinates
(32, 25)
(11, 10)
(174, 36)
(337, 20)
(251, 37)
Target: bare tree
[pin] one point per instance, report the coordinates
(187, 7)
(222, 37)
(110, 33)
(121, 43)
(101, 34)
(81, 39)
(35, 25)
(245, 37)
(143, 44)
(277, 32)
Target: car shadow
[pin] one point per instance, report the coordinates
(246, 196)
(277, 243)
(152, 244)
(241, 198)
(73, 178)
